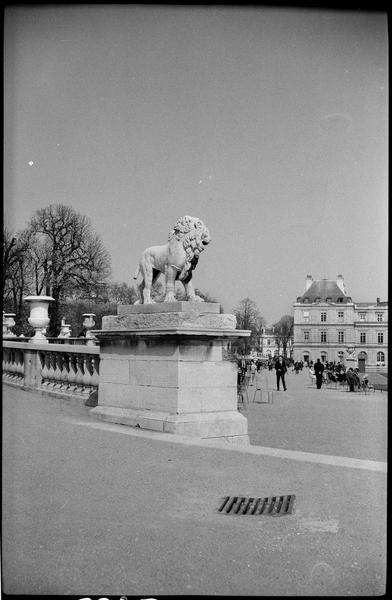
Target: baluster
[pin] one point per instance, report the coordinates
(20, 365)
(13, 365)
(17, 369)
(79, 372)
(65, 372)
(51, 370)
(73, 368)
(58, 363)
(5, 362)
(86, 375)
(95, 372)
(44, 358)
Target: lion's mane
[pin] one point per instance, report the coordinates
(190, 232)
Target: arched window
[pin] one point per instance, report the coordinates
(380, 357)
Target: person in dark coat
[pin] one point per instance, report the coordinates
(242, 367)
(281, 370)
(318, 371)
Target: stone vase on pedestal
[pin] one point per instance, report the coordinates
(88, 324)
(39, 318)
(162, 368)
(8, 323)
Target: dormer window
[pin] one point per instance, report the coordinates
(329, 299)
(318, 299)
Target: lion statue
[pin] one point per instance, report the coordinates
(177, 260)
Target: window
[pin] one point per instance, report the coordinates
(380, 357)
(323, 337)
(323, 317)
(380, 317)
(306, 316)
(340, 315)
(362, 316)
(268, 342)
(380, 337)
(362, 337)
(341, 337)
(306, 336)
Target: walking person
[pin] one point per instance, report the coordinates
(253, 370)
(318, 371)
(281, 370)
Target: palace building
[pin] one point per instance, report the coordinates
(330, 325)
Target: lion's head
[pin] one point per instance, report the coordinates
(194, 236)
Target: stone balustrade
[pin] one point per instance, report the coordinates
(58, 368)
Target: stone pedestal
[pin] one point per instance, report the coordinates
(162, 368)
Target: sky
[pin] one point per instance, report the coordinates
(268, 123)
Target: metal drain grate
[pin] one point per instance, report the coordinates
(275, 506)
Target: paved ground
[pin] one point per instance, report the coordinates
(91, 508)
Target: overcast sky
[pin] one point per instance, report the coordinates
(269, 124)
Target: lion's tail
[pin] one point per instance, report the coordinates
(137, 272)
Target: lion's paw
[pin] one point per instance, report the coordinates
(170, 298)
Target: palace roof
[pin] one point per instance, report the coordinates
(324, 290)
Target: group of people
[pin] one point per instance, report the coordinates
(322, 371)
(298, 366)
(337, 372)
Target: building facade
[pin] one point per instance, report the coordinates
(268, 344)
(329, 325)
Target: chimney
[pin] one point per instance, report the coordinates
(308, 282)
(378, 300)
(340, 283)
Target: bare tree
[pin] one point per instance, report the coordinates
(15, 260)
(10, 262)
(248, 317)
(283, 332)
(64, 253)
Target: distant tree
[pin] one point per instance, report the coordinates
(248, 317)
(121, 293)
(64, 254)
(15, 262)
(283, 332)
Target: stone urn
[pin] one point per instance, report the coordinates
(39, 318)
(88, 324)
(8, 323)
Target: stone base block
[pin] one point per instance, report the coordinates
(229, 426)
